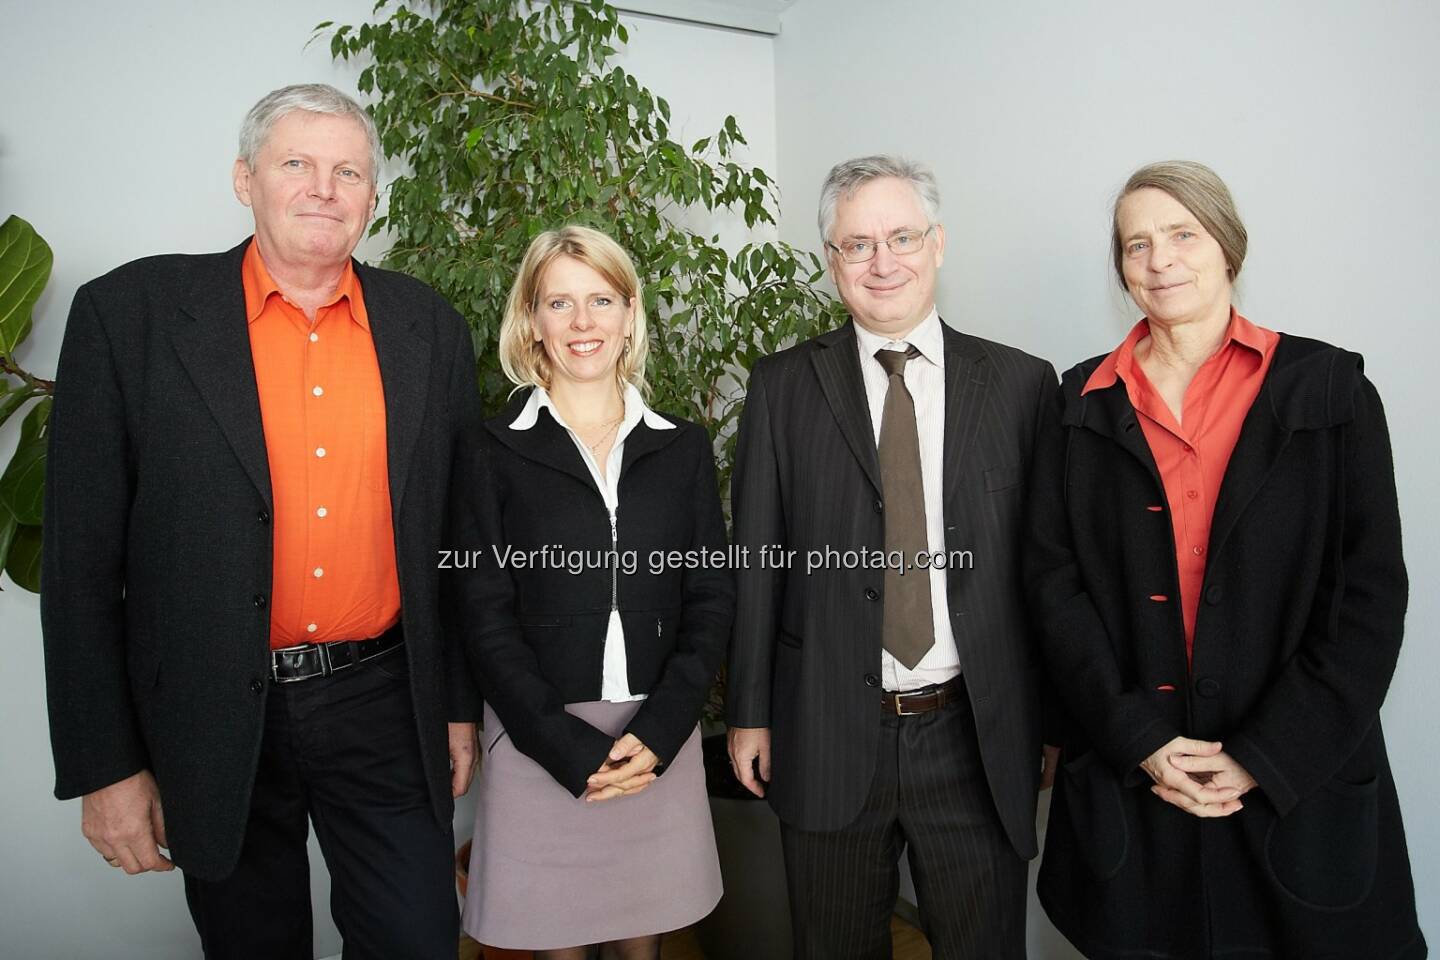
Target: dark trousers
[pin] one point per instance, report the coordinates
(340, 751)
(929, 796)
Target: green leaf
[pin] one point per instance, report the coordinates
(8, 526)
(23, 561)
(13, 400)
(22, 486)
(25, 262)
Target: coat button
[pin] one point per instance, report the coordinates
(879, 506)
(871, 593)
(256, 686)
(871, 680)
(258, 600)
(1208, 687)
(1213, 593)
(262, 516)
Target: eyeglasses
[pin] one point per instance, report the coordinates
(902, 244)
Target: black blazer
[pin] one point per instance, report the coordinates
(536, 635)
(805, 659)
(157, 552)
(1298, 631)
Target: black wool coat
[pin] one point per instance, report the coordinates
(535, 634)
(157, 556)
(1299, 627)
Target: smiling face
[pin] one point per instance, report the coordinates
(582, 321)
(312, 190)
(1174, 269)
(889, 294)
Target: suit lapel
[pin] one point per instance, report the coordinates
(546, 442)
(213, 343)
(404, 358)
(837, 365)
(966, 377)
(1263, 437)
(643, 441)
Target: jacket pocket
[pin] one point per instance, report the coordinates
(1002, 477)
(1324, 853)
(1097, 814)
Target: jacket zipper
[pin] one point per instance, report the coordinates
(614, 560)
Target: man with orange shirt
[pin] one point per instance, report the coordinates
(249, 462)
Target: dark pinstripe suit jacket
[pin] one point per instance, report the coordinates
(805, 658)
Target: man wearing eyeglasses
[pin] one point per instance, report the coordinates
(883, 686)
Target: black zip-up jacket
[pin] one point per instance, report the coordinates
(535, 629)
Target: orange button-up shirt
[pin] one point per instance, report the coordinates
(1192, 454)
(323, 409)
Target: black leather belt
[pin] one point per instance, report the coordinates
(293, 664)
(925, 699)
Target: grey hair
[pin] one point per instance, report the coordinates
(845, 178)
(314, 98)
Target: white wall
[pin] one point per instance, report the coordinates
(1321, 116)
(117, 131)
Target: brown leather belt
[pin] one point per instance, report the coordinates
(924, 700)
(291, 664)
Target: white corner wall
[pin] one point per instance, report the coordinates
(1321, 116)
(117, 133)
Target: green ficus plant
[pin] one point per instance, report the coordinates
(508, 120)
(25, 262)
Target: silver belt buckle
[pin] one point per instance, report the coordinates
(275, 663)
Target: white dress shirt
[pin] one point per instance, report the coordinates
(925, 379)
(614, 678)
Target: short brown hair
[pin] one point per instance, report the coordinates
(1198, 189)
(521, 357)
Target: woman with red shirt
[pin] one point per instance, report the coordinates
(1216, 566)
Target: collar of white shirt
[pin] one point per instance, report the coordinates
(635, 411)
(928, 338)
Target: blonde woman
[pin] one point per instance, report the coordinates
(592, 638)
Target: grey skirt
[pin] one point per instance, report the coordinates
(549, 871)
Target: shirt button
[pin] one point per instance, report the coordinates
(319, 572)
(321, 511)
(1192, 494)
(319, 451)
(1197, 550)
(311, 628)
(314, 337)
(318, 391)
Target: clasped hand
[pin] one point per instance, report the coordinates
(1198, 777)
(628, 769)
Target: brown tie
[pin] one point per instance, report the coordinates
(908, 630)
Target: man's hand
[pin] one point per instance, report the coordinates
(628, 769)
(748, 744)
(125, 824)
(1050, 762)
(464, 757)
(1175, 785)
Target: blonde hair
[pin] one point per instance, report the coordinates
(1198, 189)
(522, 357)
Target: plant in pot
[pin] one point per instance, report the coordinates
(508, 118)
(25, 262)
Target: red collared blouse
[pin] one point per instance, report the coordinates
(1192, 454)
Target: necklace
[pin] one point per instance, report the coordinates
(613, 426)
